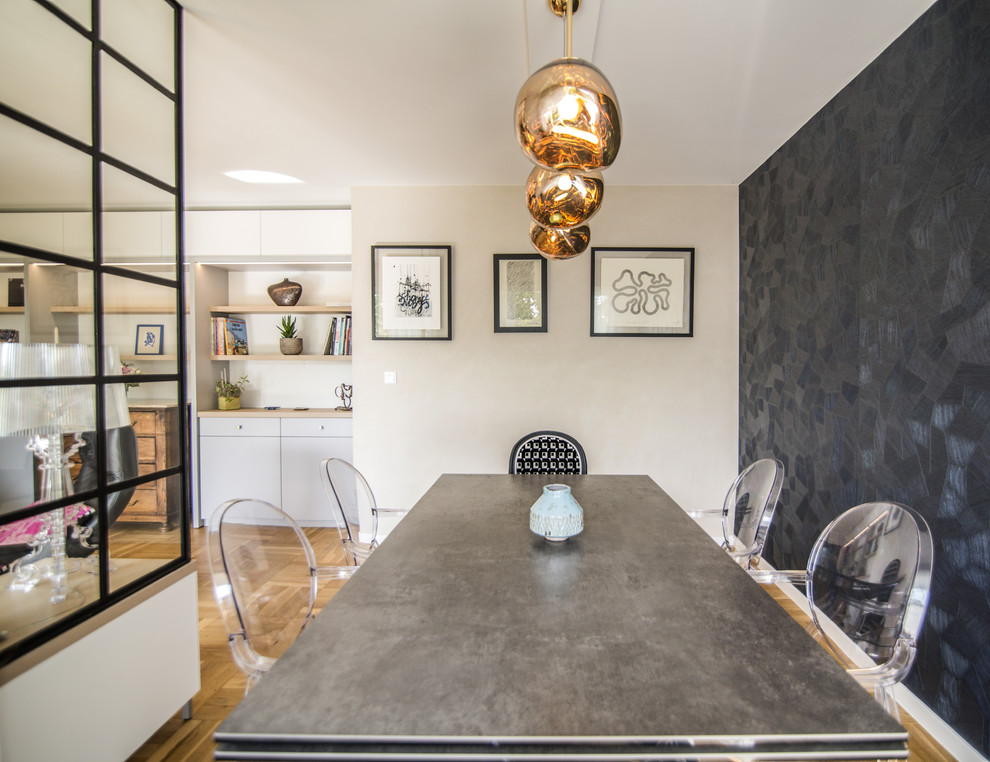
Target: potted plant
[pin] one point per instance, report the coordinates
(229, 392)
(290, 343)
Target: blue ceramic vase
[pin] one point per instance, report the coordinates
(556, 515)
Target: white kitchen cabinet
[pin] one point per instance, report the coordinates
(305, 232)
(306, 442)
(77, 232)
(277, 459)
(235, 233)
(268, 233)
(238, 457)
(133, 236)
(42, 230)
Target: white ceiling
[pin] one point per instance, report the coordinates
(345, 93)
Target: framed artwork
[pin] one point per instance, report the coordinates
(520, 293)
(410, 292)
(148, 339)
(642, 291)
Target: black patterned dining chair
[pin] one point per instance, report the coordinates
(548, 452)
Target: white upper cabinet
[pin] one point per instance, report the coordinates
(132, 235)
(223, 234)
(268, 233)
(305, 232)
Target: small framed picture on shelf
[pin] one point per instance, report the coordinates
(410, 292)
(520, 293)
(149, 339)
(642, 291)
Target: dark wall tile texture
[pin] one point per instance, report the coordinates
(865, 327)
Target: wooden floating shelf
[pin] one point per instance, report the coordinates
(11, 310)
(72, 309)
(296, 358)
(274, 309)
(149, 358)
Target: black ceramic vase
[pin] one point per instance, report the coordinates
(286, 293)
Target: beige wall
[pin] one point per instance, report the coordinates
(666, 407)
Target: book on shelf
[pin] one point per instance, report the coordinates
(338, 341)
(229, 336)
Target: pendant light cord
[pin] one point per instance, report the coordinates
(567, 30)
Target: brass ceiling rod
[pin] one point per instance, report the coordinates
(567, 10)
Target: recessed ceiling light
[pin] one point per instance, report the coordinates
(260, 176)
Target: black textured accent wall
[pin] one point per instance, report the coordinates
(865, 327)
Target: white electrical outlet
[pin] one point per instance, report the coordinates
(390, 377)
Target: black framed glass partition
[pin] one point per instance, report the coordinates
(94, 477)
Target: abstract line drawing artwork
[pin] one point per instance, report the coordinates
(520, 290)
(647, 293)
(642, 292)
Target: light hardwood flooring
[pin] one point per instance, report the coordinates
(222, 683)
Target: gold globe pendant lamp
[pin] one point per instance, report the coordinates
(563, 199)
(567, 115)
(568, 123)
(562, 243)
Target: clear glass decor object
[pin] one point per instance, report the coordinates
(556, 515)
(567, 115)
(563, 199)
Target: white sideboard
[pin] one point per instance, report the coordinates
(273, 456)
(103, 688)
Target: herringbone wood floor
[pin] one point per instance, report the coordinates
(222, 683)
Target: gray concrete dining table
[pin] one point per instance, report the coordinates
(466, 636)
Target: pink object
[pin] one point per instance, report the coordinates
(23, 531)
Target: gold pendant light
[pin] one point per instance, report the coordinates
(559, 244)
(563, 199)
(568, 123)
(567, 115)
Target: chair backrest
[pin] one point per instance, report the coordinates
(347, 492)
(264, 580)
(548, 452)
(749, 507)
(870, 573)
(122, 464)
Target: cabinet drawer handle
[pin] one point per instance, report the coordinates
(240, 426)
(321, 428)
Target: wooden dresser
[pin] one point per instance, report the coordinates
(157, 429)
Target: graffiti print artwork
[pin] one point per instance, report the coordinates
(411, 292)
(642, 292)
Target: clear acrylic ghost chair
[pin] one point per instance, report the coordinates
(869, 573)
(348, 493)
(264, 580)
(748, 510)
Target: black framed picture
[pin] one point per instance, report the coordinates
(642, 291)
(410, 292)
(520, 282)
